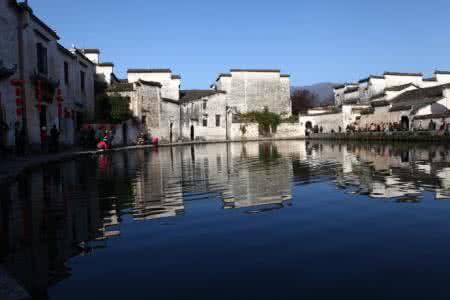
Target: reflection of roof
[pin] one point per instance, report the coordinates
(190, 95)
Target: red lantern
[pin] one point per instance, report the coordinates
(19, 101)
(16, 82)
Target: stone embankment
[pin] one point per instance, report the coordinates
(424, 136)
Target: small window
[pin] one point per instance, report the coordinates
(217, 120)
(41, 52)
(204, 105)
(144, 119)
(205, 122)
(82, 80)
(66, 72)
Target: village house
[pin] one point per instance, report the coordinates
(256, 89)
(403, 98)
(42, 84)
(172, 114)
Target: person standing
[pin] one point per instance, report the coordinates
(44, 139)
(54, 134)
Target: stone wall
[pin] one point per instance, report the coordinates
(288, 130)
(253, 90)
(328, 122)
(242, 131)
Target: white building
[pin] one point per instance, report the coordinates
(403, 98)
(32, 60)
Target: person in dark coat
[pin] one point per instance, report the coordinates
(54, 134)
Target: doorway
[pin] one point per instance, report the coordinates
(192, 133)
(405, 123)
(43, 116)
(125, 134)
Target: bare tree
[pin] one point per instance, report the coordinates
(302, 100)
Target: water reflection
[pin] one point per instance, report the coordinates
(75, 208)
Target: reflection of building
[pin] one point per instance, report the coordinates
(384, 171)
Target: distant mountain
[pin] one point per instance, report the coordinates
(323, 90)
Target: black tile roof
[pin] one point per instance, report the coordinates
(420, 94)
(371, 77)
(430, 79)
(105, 64)
(90, 50)
(403, 74)
(380, 103)
(149, 71)
(190, 95)
(399, 88)
(150, 83)
(66, 51)
(45, 26)
(339, 86)
(120, 87)
(176, 77)
(256, 70)
(171, 101)
(223, 75)
(433, 116)
(379, 96)
(442, 72)
(351, 90)
(417, 99)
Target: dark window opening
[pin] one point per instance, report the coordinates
(144, 119)
(83, 80)
(42, 59)
(204, 104)
(66, 72)
(205, 122)
(217, 120)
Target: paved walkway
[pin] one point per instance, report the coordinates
(10, 289)
(12, 166)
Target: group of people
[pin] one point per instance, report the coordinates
(376, 127)
(100, 138)
(50, 140)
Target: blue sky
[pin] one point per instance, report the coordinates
(314, 41)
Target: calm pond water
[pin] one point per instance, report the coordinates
(277, 220)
